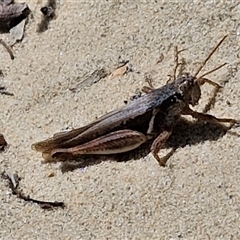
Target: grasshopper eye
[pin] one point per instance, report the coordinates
(185, 82)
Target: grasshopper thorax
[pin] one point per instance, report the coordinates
(189, 88)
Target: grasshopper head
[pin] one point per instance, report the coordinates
(189, 88)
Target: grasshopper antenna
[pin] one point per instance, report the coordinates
(209, 56)
(201, 80)
(213, 70)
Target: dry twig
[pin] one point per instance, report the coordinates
(13, 183)
(9, 50)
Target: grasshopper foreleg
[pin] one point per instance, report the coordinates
(209, 118)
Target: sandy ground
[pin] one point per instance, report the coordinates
(195, 197)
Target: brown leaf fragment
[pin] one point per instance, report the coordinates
(12, 14)
(119, 72)
(3, 142)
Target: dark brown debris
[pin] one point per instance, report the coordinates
(3, 142)
(48, 12)
(13, 183)
(5, 92)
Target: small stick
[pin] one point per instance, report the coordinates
(8, 49)
(13, 183)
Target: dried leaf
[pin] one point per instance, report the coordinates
(119, 72)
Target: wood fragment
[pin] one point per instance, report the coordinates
(11, 14)
(13, 184)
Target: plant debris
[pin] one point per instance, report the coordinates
(3, 142)
(9, 50)
(94, 77)
(13, 183)
(11, 14)
(160, 59)
(120, 71)
(48, 12)
(5, 92)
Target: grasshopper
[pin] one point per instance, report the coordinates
(152, 116)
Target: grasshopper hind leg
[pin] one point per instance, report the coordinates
(112, 143)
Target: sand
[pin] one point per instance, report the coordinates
(196, 196)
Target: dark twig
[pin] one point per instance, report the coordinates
(13, 183)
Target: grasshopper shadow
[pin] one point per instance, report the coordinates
(184, 133)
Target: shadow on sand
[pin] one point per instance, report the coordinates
(185, 133)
